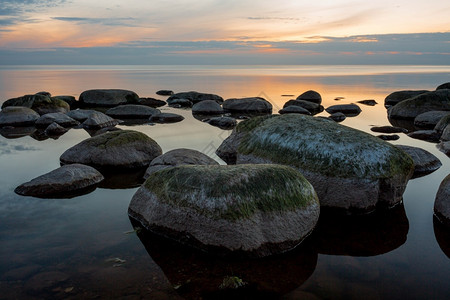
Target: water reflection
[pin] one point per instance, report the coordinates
(442, 234)
(122, 180)
(367, 235)
(196, 275)
(16, 132)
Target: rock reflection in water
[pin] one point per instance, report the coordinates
(16, 132)
(197, 275)
(442, 234)
(365, 235)
(123, 179)
(404, 123)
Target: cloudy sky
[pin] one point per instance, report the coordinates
(224, 32)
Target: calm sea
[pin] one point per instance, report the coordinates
(85, 247)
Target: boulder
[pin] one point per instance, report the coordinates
(247, 105)
(42, 104)
(346, 109)
(443, 86)
(18, 116)
(399, 96)
(166, 118)
(59, 118)
(107, 98)
(132, 111)
(80, 115)
(194, 97)
(388, 129)
(123, 149)
(313, 108)
(349, 169)
(425, 135)
(444, 122)
(225, 123)
(152, 102)
(411, 108)
(445, 136)
(207, 107)
(98, 120)
(311, 96)
(179, 157)
(180, 102)
(430, 119)
(73, 103)
(424, 162)
(64, 182)
(55, 129)
(444, 147)
(252, 210)
(294, 109)
(442, 202)
(164, 93)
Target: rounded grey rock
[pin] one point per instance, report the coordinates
(59, 118)
(132, 111)
(247, 105)
(18, 116)
(430, 119)
(442, 202)
(107, 97)
(311, 96)
(424, 162)
(294, 109)
(207, 107)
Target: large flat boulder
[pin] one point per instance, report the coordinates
(40, 103)
(442, 202)
(349, 169)
(107, 98)
(122, 149)
(64, 182)
(254, 210)
(18, 116)
(411, 108)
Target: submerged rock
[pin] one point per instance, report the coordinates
(311, 96)
(107, 97)
(348, 168)
(42, 104)
(255, 210)
(115, 149)
(58, 118)
(411, 108)
(399, 96)
(442, 202)
(132, 111)
(424, 162)
(430, 119)
(194, 97)
(66, 181)
(207, 107)
(17, 116)
(369, 102)
(248, 105)
(179, 157)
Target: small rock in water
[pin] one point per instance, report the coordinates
(388, 137)
(166, 118)
(388, 129)
(164, 93)
(370, 102)
(311, 96)
(55, 129)
(294, 109)
(349, 110)
(338, 117)
(426, 135)
(222, 122)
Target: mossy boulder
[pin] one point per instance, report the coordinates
(64, 182)
(442, 202)
(122, 149)
(255, 210)
(42, 104)
(177, 157)
(18, 116)
(107, 98)
(348, 168)
(411, 108)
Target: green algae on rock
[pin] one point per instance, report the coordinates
(348, 168)
(115, 149)
(258, 210)
(42, 104)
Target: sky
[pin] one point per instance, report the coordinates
(224, 32)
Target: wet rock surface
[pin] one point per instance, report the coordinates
(207, 107)
(58, 118)
(132, 111)
(411, 108)
(40, 103)
(424, 162)
(18, 116)
(194, 97)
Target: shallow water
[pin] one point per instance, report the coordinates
(84, 247)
